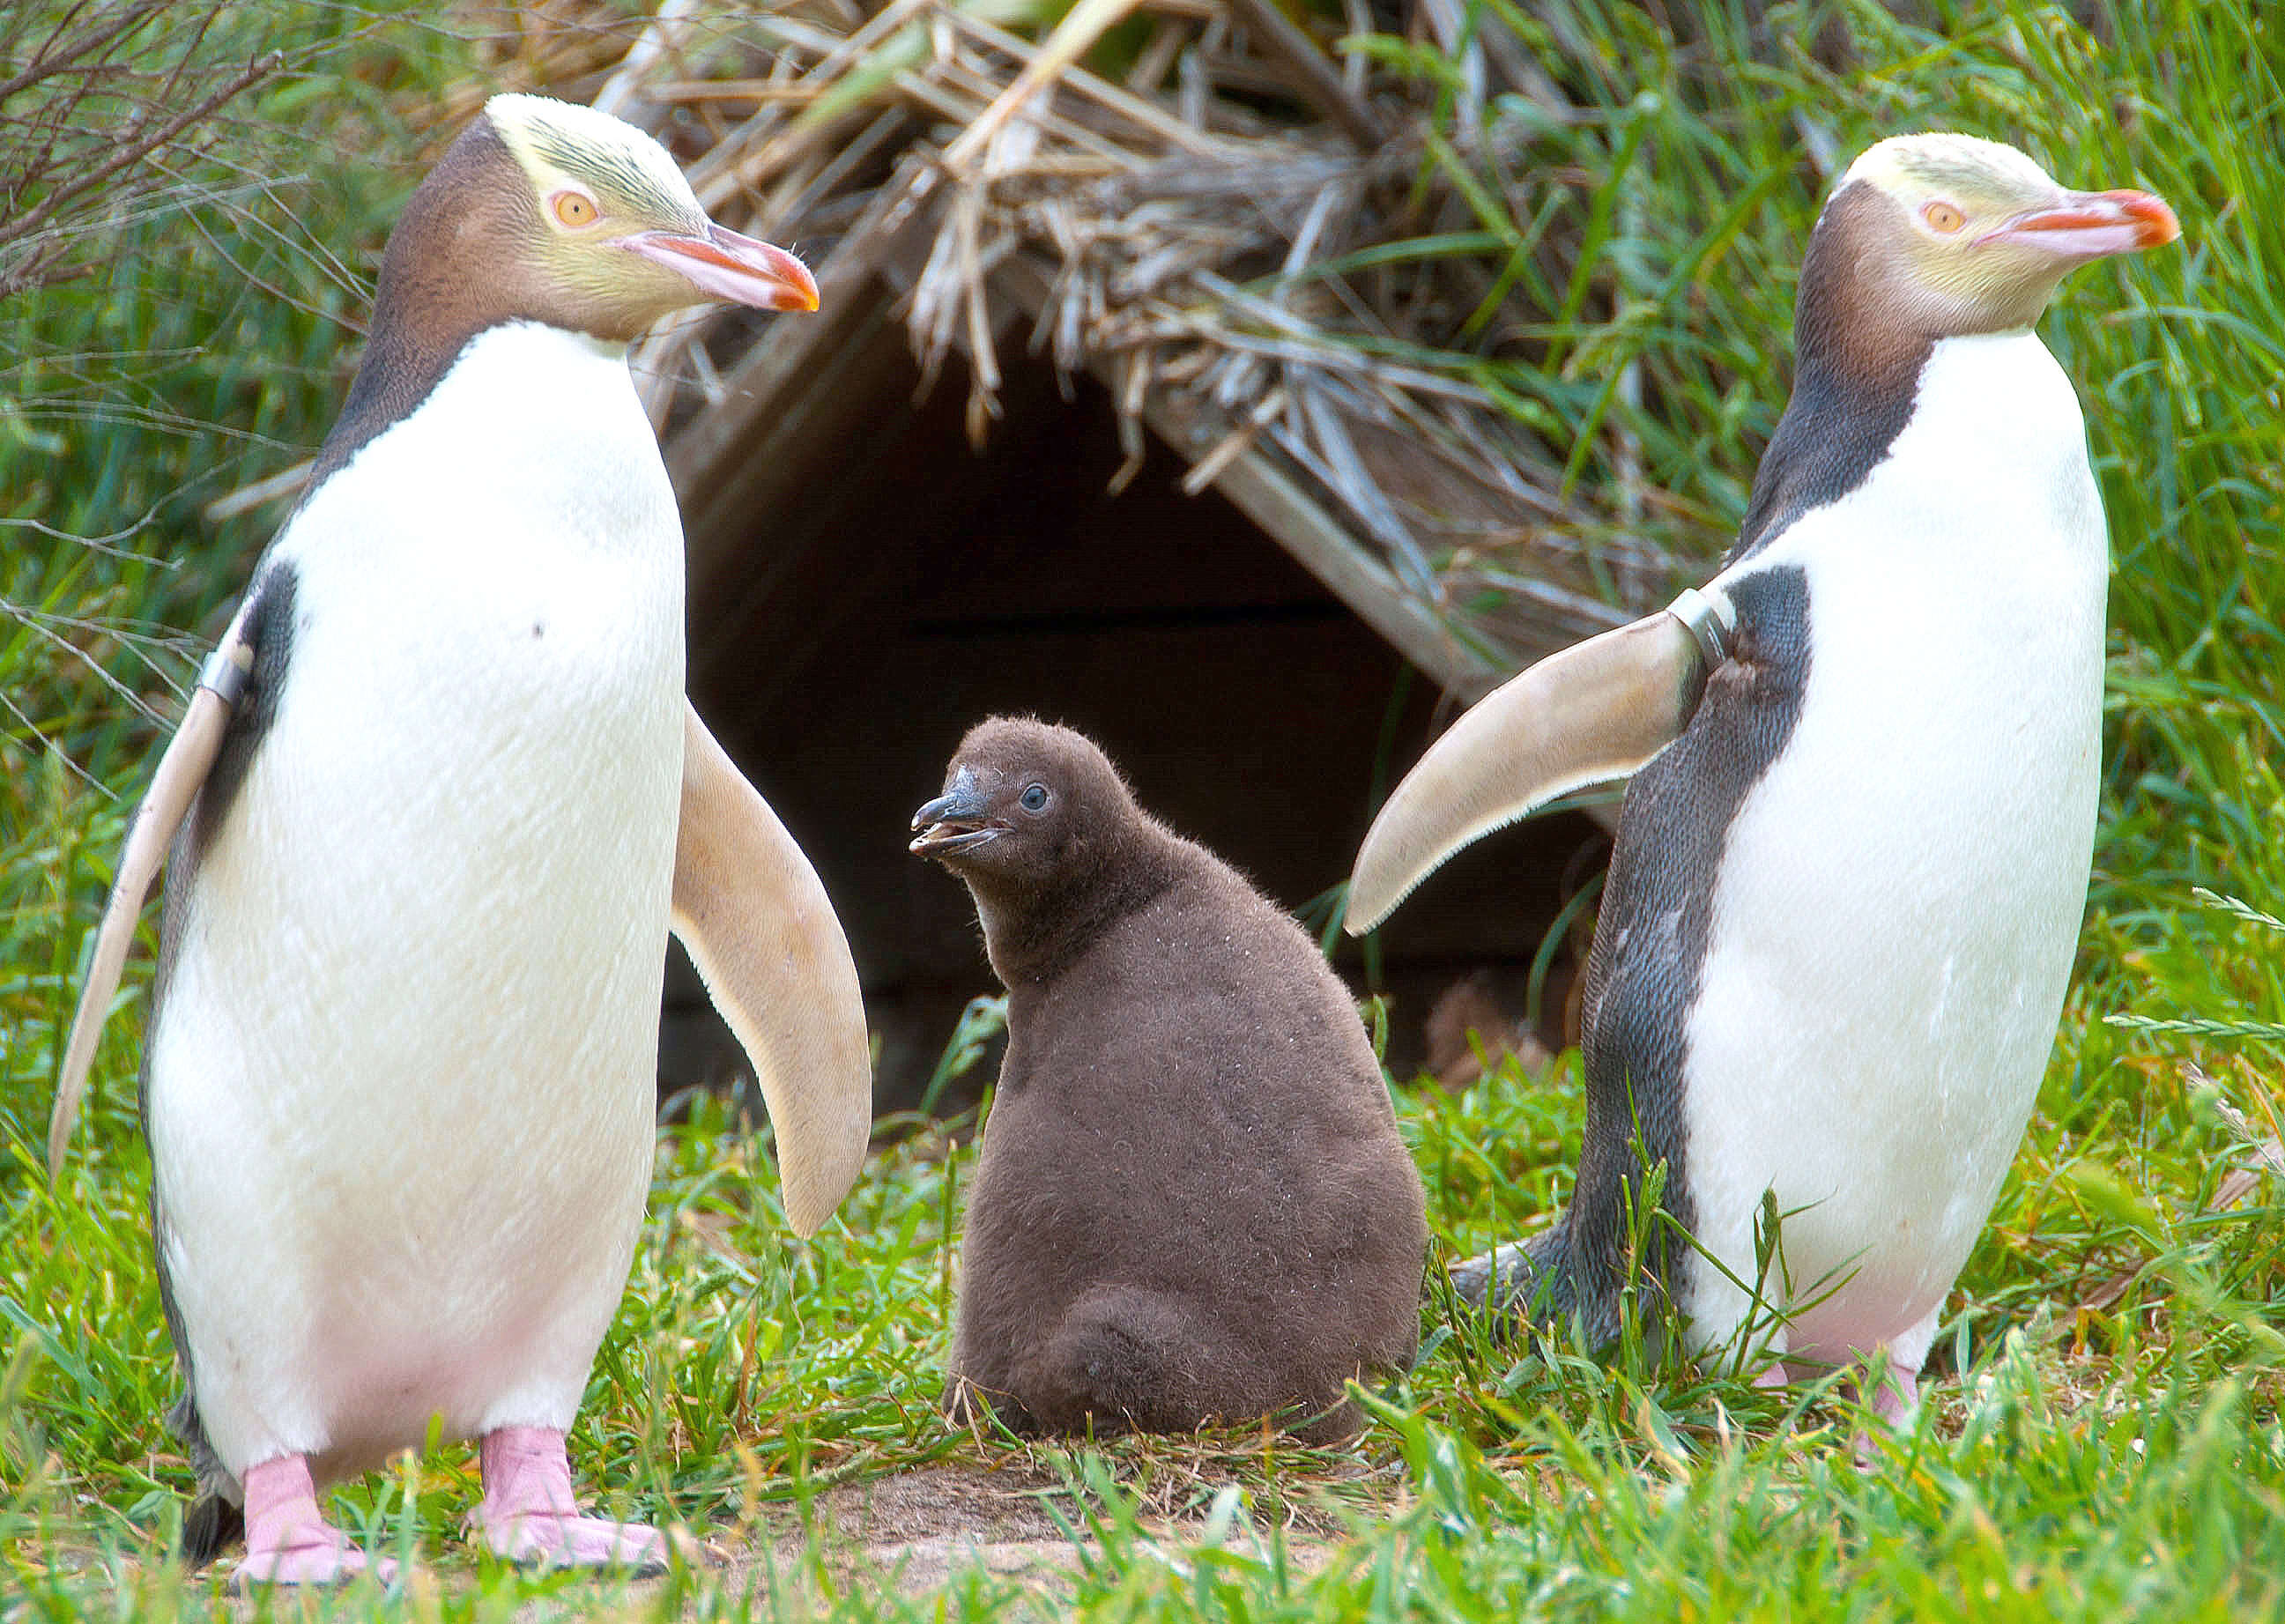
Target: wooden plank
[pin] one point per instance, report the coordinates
(736, 463)
(743, 460)
(1276, 501)
(1258, 482)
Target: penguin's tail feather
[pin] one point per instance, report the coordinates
(1527, 1280)
(213, 1525)
(216, 1518)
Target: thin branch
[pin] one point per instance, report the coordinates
(254, 73)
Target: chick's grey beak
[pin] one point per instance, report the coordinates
(955, 820)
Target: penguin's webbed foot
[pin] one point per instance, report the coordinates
(1889, 1389)
(552, 1539)
(1775, 1373)
(289, 1540)
(529, 1514)
(1894, 1398)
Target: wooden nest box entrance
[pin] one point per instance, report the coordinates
(866, 583)
(1115, 411)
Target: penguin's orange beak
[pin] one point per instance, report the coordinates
(2086, 225)
(734, 269)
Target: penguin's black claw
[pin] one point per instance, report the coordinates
(311, 1571)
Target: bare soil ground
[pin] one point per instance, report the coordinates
(1023, 1525)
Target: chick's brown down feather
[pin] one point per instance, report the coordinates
(1192, 1202)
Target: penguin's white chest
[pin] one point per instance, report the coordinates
(1899, 897)
(401, 1077)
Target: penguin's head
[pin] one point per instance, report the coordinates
(1955, 235)
(546, 211)
(1031, 812)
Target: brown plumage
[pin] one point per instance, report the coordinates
(1192, 1202)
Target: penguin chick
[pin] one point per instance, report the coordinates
(441, 799)
(1191, 1201)
(1849, 871)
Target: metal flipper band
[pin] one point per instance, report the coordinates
(1711, 617)
(227, 671)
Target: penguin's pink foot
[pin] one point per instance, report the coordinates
(289, 1540)
(1893, 1397)
(1896, 1398)
(530, 1514)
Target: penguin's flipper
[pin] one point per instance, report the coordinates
(1586, 716)
(756, 920)
(190, 756)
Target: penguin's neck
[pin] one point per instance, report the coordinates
(1033, 932)
(1995, 462)
(530, 452)
(1849, 405)
(404, 361)
(1981, 507)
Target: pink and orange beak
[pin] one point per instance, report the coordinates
(734, 269)
(2086, 225)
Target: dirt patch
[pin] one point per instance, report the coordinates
(919, 1530)
(937, 1503)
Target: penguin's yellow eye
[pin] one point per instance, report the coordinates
(574, 209)
(1943, 217)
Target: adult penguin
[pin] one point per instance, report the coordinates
(1850, 871)
(440, 800)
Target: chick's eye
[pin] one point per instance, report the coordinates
(1943, 217)
(1034, 798)
(574, 209)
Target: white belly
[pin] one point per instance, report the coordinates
(1900, 895)
(401, 1080)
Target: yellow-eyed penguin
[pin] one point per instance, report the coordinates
(441, 799)
(1850, 868)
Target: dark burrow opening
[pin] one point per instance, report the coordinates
(923, 586)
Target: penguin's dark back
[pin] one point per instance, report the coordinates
(1856, 368)
(1645, 971)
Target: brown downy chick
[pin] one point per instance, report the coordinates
(1192, 1202)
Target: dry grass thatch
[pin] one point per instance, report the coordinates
(1240, 235)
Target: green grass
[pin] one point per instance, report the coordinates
(2102, 1440)
(2126, 1461)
